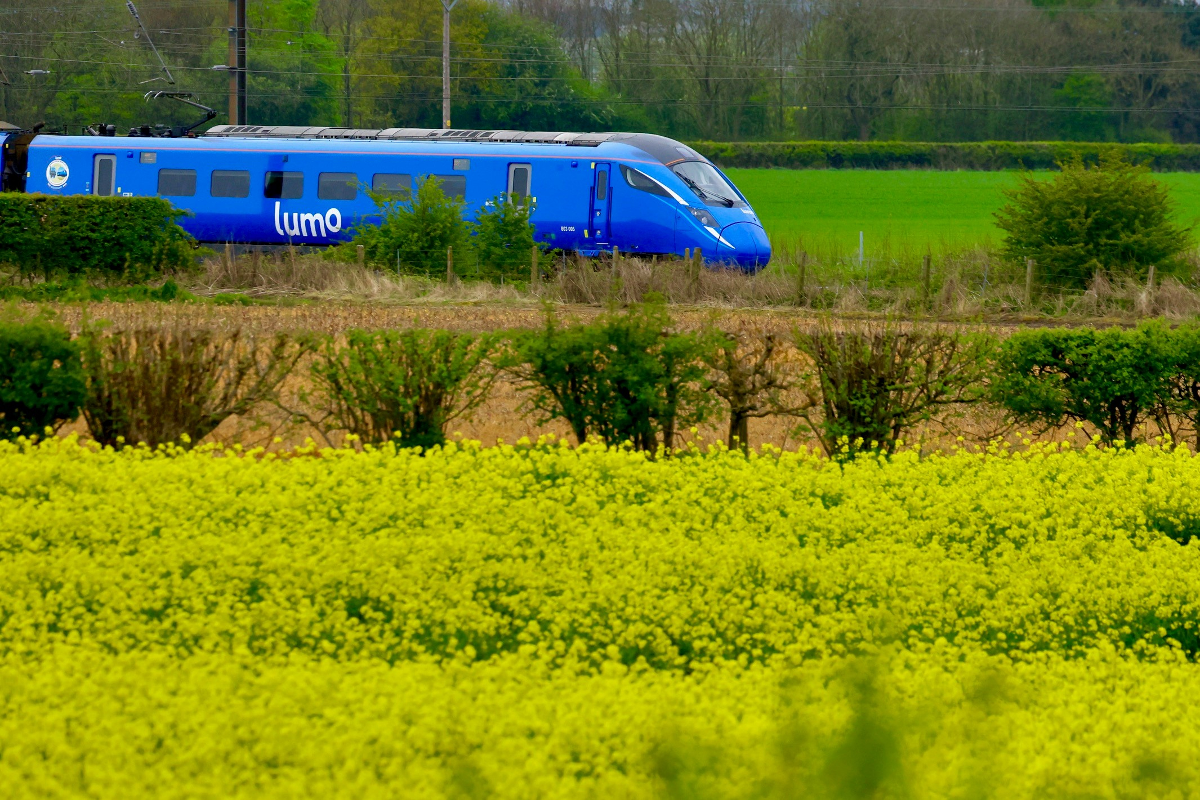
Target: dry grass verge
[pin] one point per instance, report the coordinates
(961, 285)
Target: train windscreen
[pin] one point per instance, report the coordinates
(707, 183)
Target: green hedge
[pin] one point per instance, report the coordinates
(128, 237)
(958, 155)
(41, 377)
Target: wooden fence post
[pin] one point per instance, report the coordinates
(616, 255)
(1028, 282)
(926, 265)
(449, 265)
(361, 254)
(535, 276)
(801, 276)
(229, 256)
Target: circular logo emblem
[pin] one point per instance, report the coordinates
(57, 173)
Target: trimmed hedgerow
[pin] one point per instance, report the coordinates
(952, 155)
(113, 237)
(41, 377)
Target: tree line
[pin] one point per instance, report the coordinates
(930, 70)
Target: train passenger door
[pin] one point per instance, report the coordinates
(520, 185)
(104, 175)
(601, 203)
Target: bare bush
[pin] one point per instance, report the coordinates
(405, 386)
(178, 383)
(873, 382)
(751, 374)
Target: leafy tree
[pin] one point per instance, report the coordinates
(534, 87)
(1085, 92)
(625, 378)
(1110, 217)
(503, 239)
(1109, 379)
(416, 231)
(292, 79)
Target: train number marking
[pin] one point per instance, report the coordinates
(568, 228)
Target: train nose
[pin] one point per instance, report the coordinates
(746, 245)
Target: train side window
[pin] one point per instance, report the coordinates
(337, 186)
(284, 185)
(392, 183)
(602, 185)
(177, 182)
(518, 183)
(230, 183)
(453, 185)
(643, 182)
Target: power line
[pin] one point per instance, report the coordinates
(434, 97)
(1173, 9)
(913, 68)
(851, 69)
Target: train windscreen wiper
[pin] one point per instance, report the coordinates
(722, 198)
(704, 192)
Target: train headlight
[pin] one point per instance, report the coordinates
(704, 216)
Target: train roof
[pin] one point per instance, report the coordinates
(668, 151)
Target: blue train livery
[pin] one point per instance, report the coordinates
(263, 185)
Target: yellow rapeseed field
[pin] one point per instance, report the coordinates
(543, 621)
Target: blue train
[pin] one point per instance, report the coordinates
(263, 185)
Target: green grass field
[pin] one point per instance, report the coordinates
(901, 209)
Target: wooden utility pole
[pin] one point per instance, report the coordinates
(237, 62)
(447, 5)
